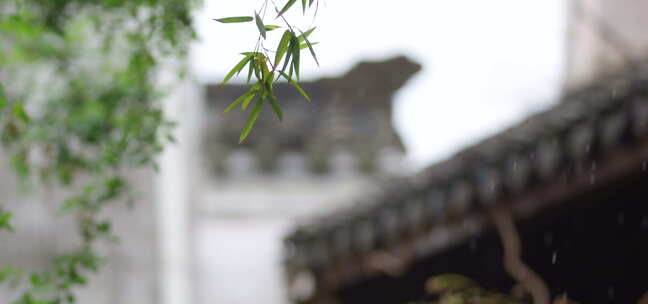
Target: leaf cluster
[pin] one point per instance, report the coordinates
(77, 90)
(78, 109)
(265, 69)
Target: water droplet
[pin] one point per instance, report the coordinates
(554, 258)
(620, 218)
(593, 167)
(515, 165)
(592, 179)
(587, 148)
(611, 292)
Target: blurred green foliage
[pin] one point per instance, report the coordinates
(453, 288)
(78, 107)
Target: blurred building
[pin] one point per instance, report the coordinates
(573, 177)
(210, 225)
(247, 195)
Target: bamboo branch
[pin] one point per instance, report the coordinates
(521, 272)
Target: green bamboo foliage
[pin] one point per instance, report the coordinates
(267, 69)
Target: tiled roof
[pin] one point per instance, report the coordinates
(572, 142)
(344, 110)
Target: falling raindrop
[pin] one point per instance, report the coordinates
(593, 167)
(592, 179)
(515, 165)
(643, 166)
(644, 222)
(611, 292)
(620, 218)
(587, 148)
(554, 258)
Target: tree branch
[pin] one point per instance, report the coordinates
(521, 272)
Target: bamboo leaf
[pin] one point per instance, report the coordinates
(282, 47)
(289, 54)
(246, 101)
(257, 68)
(235, 19)
(262, 64)
(304, 6)
(305, 35)
(304, 45)
(260, 25)
(286, 7)
(271, 27)
(300, 90)
(251, 119)
(250, 70)
(295, 85)
(235, 103)
(275, 107)
(242, 99)
(237, 68)
(310, 48)
(295, 62)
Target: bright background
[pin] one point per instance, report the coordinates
(486, 64)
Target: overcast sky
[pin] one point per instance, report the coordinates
(486, 64)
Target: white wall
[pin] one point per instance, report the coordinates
(603, 35)
(42, 233)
